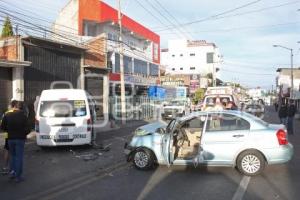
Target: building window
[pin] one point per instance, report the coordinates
(127, 65)
(192, 68)
(117, 63)
(155, 49)
(154, 70)
(140, 67)
(173, 55)
(181, 55)
(173, 69)
(210, 57)
(110, 36)
(192, 54)
(181, 68)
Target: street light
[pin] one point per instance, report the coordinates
(292, 69)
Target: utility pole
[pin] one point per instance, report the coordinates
(123, 100)
(292, 75)
(292, 69)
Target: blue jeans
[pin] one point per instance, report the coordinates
(290, 125)
(16, 151)
(283, 120)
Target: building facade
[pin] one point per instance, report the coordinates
(87, 19)
(190, 57)
(29, 65)
(283, 84)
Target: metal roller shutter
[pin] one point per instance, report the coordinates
(5, 88)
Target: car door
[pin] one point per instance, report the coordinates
(224, 136)
(167, 143)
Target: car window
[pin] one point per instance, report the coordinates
(194, 123)
(67, 108)
(226, 122)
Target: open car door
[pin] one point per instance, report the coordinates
(167, 143)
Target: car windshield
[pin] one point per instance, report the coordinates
(212, 100)
(176, 103)
(68, 108)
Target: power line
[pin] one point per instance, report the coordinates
(218, 16)
(162, 15)
(147, 10)
(247, 73)
(242, 28)
(32, 17)
(171, 16)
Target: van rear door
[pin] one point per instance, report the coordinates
(64, 119)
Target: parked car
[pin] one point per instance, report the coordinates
(257, 110)
(225, 138)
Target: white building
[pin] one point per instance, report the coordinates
(283, 82)
(190, 57)
(256, 93)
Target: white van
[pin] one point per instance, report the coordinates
(65, 117)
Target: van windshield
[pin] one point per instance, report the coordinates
(66, 108)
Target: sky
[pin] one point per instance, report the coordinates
(244, 30)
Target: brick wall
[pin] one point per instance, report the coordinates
(8, 48)
(96, 53)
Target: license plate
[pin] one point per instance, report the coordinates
(169, 115)
(63, 137)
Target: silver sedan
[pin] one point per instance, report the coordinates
(226, 138)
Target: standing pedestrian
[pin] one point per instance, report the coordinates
(276, 106)
(282, 113)
(5, 169)
(291, 111)
(15, 124)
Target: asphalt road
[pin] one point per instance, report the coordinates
(84, 173)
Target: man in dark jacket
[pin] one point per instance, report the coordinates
(291, 111)
(15, 124)
(282, 113)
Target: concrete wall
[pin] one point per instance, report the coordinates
(66, 23)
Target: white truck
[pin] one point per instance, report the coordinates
(176, 108)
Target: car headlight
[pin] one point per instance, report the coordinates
(140, 132)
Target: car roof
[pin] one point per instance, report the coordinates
(56, 94)
(241, 114)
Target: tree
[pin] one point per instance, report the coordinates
(7, 29)
(199, 95)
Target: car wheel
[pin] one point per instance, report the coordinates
(251, 163)
(143, 159)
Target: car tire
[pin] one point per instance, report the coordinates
(251, 163)
(143, 159)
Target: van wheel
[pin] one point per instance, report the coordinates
(250, 163)
(143, 159)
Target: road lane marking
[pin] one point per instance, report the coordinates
(76, 183)
(239, 194)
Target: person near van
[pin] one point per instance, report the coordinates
(15, 124)
(5, 169)
(282, 113)
(291, 111)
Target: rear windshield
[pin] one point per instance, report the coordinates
(212, 100)
(256, 119)
(67, 108)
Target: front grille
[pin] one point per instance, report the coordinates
(63, 140)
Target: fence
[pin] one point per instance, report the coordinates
(137, 108)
